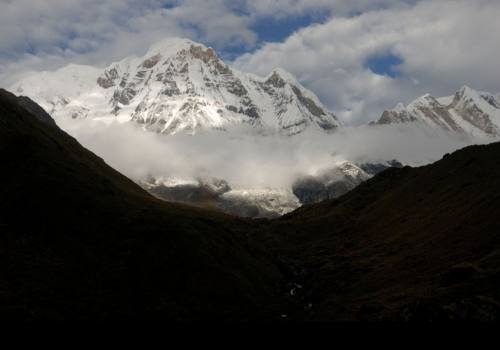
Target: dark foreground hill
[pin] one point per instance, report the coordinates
(409, 244)
(79, 240)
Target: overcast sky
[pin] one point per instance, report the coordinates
(359, 56)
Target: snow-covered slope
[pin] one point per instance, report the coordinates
(336, 181)
(468, 111)
(179, 86)
(218, 194)
(264, 203)
(330, 183)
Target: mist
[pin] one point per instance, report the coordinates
(255, 161)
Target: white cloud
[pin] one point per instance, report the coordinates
(253, 161)
(283, 8)
(45, 34)
(444, 44)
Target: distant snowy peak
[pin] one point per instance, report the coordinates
(468, 111)
(180, 86)
(55, 91)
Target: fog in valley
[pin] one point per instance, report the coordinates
(247, 160)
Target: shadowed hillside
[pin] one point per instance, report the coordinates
(80, 240)
(409, 244)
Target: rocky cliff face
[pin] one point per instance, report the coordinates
(180, 86)
(218, 195)
(329, 184)
(467, 112)
(337, 181)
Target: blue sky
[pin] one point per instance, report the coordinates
(273, 30)
(386, 64)
(277, 30)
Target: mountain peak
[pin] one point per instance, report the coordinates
(466, 89)
(174, 46)
(399, 107)
(283, 74)
(466, 92)
(423, 101)
(426, 97)
(169, 46)
(183, 86)
(468, 111)
(280, 77)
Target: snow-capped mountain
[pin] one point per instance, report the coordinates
(179, 86)
(334, 182)
(468, 111)
(218, 194)
(257, 203)
(330, 183)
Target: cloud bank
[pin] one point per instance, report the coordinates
(250, 161)
(423, 46)
(439, 45)
(46, 34)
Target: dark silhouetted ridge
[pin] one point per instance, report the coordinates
(409, 244)
(80, 240)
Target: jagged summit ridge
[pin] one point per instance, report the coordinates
(181, 86)
(467, 112)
